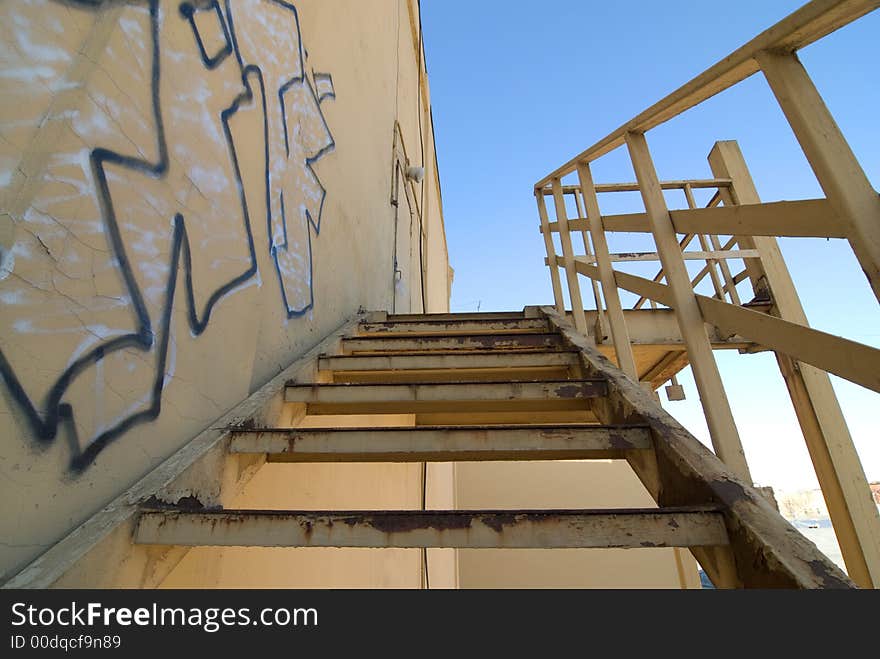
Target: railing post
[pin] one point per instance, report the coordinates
(835, 165)
(716, 407)
(571, 275)
(601, 323)
(706, 247)
(838, 468)
(619, 332)
(725, 272)
(551, 252)
(711, 263)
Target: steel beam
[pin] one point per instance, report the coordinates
(443, 444)
(804, 218)
(856, 362)
(769, 551)
(524, 529)
(453, 367)
(464, 342)
(836, 167)
(412, 398)
(454, 327)
(447, 361)
(477, 315)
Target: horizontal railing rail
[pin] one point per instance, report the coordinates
(736, 227)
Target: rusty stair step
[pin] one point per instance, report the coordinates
(443, 443)
(465, 342)
(452, 366)
(415, 397)
(449, 359)
(473, 529)
(455, 327)
(470, 315)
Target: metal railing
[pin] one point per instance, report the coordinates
(775, 319)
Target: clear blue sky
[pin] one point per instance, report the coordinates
(519, 87)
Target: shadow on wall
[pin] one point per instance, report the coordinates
(142, 177)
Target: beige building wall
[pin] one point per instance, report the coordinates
(170, 239)
(191, 196)
(564, 485)
(316, 487)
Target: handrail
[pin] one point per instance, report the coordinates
(801, 28)
(850, 210)
(634, 187)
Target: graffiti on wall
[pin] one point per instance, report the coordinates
(123, 195)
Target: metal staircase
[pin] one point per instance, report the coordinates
(511, 386)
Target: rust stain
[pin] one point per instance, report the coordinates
(826, 576)
(498, 522)
(558, 433)
(570, 391)
(189, 503)
(247, 424)
(618, 441)
(403, 522)
(351, 521)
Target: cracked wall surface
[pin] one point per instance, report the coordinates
(191, 195)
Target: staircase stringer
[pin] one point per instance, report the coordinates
(767, 550)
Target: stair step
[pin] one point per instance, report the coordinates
(443, 444)
(475, 315)
(447, 360)
(412, 398)
(490, 419)
(457, 326)
(474, 529)
(451, 366)
(465, 342)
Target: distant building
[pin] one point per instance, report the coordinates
(804, 504)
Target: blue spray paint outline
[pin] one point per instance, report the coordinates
(59, 413)
(324, 76)
(188, 11)
(304, 80)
